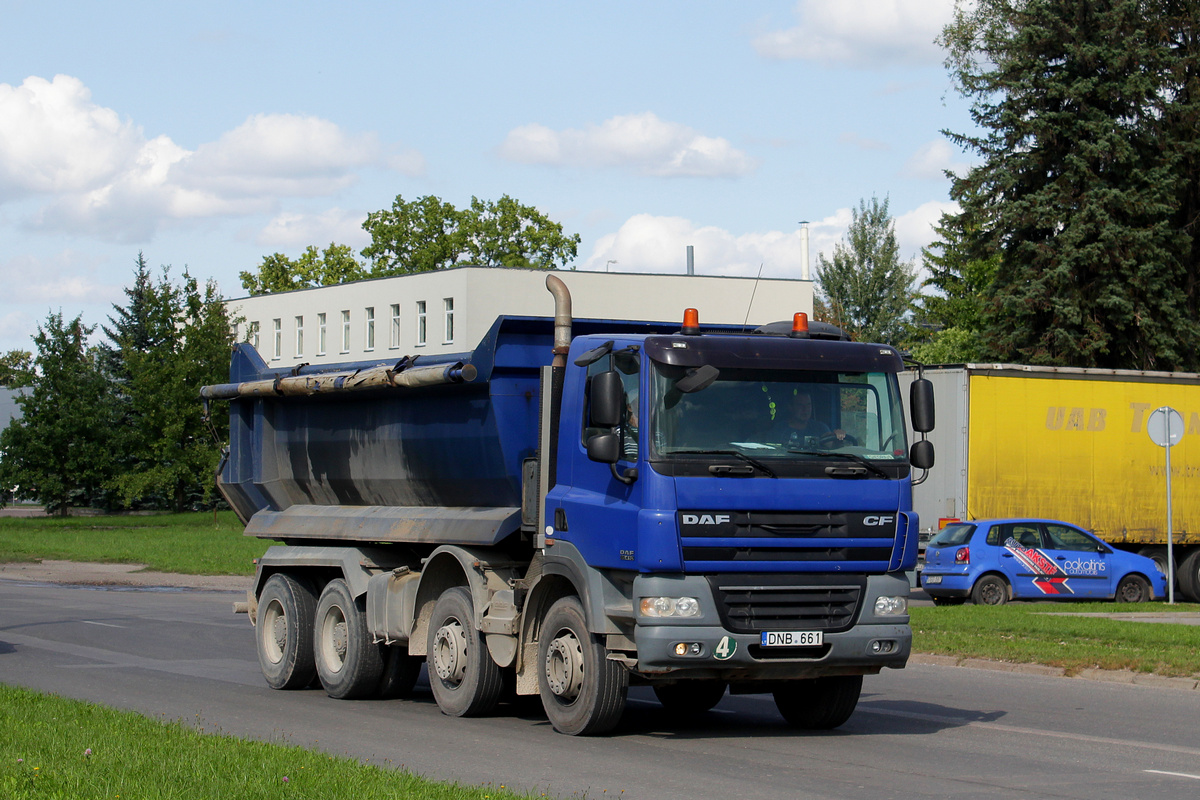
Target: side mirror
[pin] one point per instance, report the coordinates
(920, 401)
(920, 455)
(606, 400)
(604, 447)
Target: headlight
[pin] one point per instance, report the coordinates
(670, 607)
(891, 606)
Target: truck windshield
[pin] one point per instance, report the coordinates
(780, 416)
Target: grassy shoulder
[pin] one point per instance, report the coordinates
(191, 544)
(1052, 634)
(57, 748)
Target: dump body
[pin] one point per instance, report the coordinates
(1070, 444)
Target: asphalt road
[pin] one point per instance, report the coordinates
(923, 732)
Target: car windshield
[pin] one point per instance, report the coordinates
(779, 416)
(951, 535)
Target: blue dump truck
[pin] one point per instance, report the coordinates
(578, 506)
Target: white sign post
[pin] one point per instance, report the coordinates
(1165, 428)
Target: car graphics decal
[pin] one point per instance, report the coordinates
(1048, 577)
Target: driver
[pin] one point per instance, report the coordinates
(804, 430)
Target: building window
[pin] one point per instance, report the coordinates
(420, 323)
(395, 325)
(345, 331)
(277, 327)
(253, 336)
(321, 334)
(369, 313)
(449, 320)
(299, 336)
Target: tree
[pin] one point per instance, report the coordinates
(414, 236)
(512, 235)
(1087, 189)
(866, 289)
(954, 310)
(278, 273)
(168, 342)
(60, 452)
(16, 369)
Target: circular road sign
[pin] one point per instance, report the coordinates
(1161, 421)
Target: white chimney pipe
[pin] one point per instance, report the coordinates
(804, 271)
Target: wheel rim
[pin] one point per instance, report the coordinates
(450, 652)
(564, 666)
(334, 639)
(990, 593)
(1131, 592)
(274, 632)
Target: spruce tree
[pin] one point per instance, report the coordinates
(1087, 188)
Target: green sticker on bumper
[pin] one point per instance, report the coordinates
(725, 649)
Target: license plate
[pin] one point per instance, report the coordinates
(791, 638)
(931, 579)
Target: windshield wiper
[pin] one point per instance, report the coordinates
(754, 462)
(852, 456)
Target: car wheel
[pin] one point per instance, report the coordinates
(990, 590)
(1133, 589)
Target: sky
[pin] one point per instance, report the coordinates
(207, 136)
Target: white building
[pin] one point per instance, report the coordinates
(450, 310)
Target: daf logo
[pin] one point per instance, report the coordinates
(705, 519)
(876, 521)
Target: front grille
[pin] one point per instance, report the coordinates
(713, 540)
(754, 603)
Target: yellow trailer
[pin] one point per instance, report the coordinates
(1069, 444)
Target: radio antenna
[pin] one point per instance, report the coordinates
(746, 321)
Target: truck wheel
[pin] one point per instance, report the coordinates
(400, 673)
(690, 697)
(1189, 576)
(990, 590)
(1133, 589)
(582, 691)
(819, 704)
(348, 661)
(465, 680)
(285, 628)
(1157, 554)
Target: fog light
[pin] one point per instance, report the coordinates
(688, 649)
(881, 646)
(669, 607)
(891, 606)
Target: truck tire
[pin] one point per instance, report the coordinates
(1156, 553)
(284, 632)
(349, 663)
(690, 697)
(1133, 589)
(819, 704)
(1189, 576)
(400, 673)
(582, 692)
(465, 680)
(990, 590)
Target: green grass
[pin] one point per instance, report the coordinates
(193, 544)
(52, 749)
(1038, 633)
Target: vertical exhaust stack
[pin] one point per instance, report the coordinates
(804, 272)
(562, 319)
(691, 260)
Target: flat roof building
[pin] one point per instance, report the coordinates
(449, 311)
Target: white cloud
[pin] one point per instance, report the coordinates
(932, 159)
(914, 229)
(863, 143)
(646, 243)
(861, 33)
(641, 142)
(291, 230)
(101, 175)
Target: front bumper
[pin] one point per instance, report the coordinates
(869, 645)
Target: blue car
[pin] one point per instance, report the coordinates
(992, 561)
